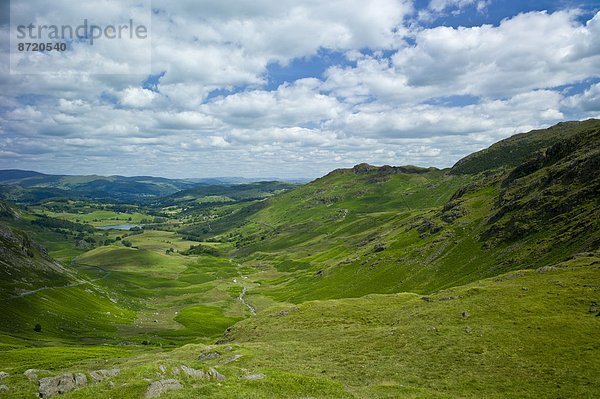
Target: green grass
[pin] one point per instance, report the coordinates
(204, 321)
(369, 283)
(525, 334)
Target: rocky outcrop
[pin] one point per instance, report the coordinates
(232, 358)
(211, 374)
(51, 386)
(157, 388)
(209, 355)
(101, 375)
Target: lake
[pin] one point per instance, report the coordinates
(124, 226)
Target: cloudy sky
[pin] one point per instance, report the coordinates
(290, 88)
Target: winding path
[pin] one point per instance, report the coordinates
(242, 300)
(244, 290)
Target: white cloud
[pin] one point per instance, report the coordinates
(137, 97)
(528, 52)
(374, 108)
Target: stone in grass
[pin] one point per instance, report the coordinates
(157, 388)
(3, 375)
(192, 372)
(215, 375)
(51, 386)
(4, 388)
(101, 375)
(32, 374)
(209, 355)
(211, 374)
(232, 359)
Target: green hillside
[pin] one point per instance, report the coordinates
(368, 229)
(371, 282)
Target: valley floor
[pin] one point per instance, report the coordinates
(152, 315)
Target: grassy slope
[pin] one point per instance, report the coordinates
(526, 334)
(363, 231)
(523, 334)
(351, 233)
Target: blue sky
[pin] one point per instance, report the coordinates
(293, 88)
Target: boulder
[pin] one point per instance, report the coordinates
(31, 374)
(215, 375)
(3, 375)
(51, 386)
(4, 388)
(157, 388)
(101, 375)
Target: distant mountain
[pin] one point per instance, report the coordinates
(31, 187)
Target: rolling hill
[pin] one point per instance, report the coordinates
(481, 280)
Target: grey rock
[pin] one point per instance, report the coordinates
(31, 374)
(209, 355)
(192, 372)
(101, 375)
(4, 388)
(3, 375)
(232, 359)
(466, 314)
(51, 386)
(157, 388)
(228, 348)
(215, 375)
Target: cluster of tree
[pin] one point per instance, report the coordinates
(53, 223)
(202, 250)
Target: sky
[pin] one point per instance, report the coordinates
(292, 89)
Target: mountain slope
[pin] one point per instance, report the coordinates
(513, 151)
(369, 229)
(24, 264)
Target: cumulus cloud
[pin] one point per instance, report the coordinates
(403, 93)
(137, 97)
(528, 52)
